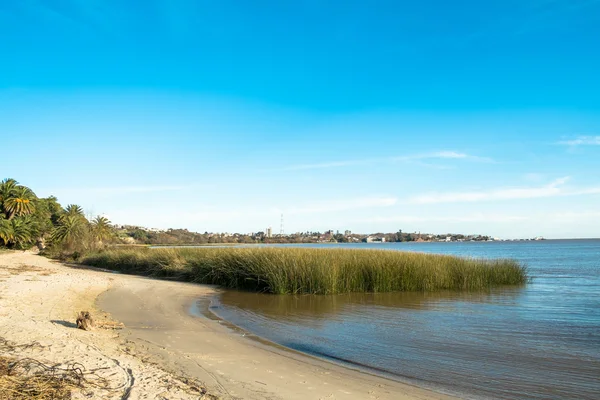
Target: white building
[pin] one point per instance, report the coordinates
(373, 239)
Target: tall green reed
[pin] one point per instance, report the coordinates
(313, 270)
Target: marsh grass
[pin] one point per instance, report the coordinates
(315, 271)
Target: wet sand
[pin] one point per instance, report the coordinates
(157, 320)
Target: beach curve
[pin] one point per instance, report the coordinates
(161, 350)
(156, 316)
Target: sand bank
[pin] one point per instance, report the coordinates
(39, 301)
(161, 344)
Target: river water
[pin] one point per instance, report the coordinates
(540, 341)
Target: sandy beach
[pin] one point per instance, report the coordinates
(147, 345)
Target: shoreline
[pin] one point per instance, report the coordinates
(161, 349)
(206, 311)
(232, 366)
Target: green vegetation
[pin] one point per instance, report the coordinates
(27, 220)
(317, 271)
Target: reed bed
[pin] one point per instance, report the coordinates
(312, 270)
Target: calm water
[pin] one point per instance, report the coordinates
(541, 341)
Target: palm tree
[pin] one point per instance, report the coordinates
(19, 202)
(70, 228)
(16, 232)
(74, 210)
(101, 228)
(22, 232)
(6, 232)
(7, 188)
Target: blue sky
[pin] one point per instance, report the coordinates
(432, 116)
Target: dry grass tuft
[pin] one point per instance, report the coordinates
(85, 321)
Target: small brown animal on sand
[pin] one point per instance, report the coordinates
(85, 321)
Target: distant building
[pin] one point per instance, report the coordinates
(373, 239)
(269, 232)
(347, 233)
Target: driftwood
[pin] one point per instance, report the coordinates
(85, 321)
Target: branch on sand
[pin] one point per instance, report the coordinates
(85, 321)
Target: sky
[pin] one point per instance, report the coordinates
(373, 116)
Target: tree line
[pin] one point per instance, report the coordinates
(27, 220)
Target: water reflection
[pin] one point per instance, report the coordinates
(298, 307)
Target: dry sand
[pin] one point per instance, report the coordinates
(162, 349)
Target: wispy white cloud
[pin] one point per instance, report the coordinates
(223, 215)
(343, 205)
(138, 189)
(207, 213)
(116, 190)
(568, 216)
(581, 141)
(444, 155)
(434, 166)
(331, 164)
(575, 215)
(439, 155)
(533, 177)
(477, 217)
(554, 189)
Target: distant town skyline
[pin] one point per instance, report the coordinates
(465, 117)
